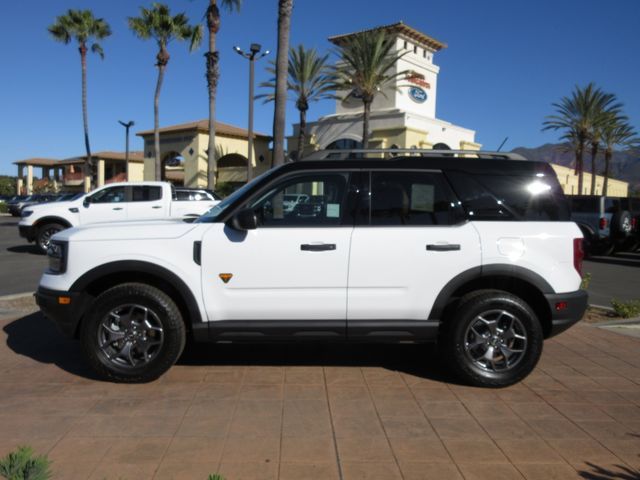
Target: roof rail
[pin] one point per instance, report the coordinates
(393, 152)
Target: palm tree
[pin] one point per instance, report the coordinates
(310, 80)
(213, 73)
(616, 132)
(84, 28)
(285, 8)
(158, 23)
(366, 67)
(577, 116)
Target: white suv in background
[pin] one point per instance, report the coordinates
(477, 254)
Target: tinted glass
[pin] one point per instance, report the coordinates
(411, 198)
(145, 193)
(584, 204)
(322, 201)
(511, 197)
(109, 195)
(192, 196)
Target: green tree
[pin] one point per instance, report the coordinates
(616, 132)
(212, 75)
(7, 185)
(576, 116)
(85, 29)
(310, 79)
(285, 8)
(366, 66)
(158, 24)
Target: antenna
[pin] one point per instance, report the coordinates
(502, 144)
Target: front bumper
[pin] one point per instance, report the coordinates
(561, 319)
(27, 231)
(65, 316)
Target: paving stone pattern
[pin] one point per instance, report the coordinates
(323, 412)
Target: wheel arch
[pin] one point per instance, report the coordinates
(52, 219)
(518, 281)
(103, 277)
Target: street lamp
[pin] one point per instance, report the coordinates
(252, 56)
(127, 126)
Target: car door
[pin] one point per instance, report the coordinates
(410, 240)
(293, 266)
(105, 205)
(146, 203)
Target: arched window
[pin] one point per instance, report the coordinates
(344, 144)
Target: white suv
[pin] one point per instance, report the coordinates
(475, 253)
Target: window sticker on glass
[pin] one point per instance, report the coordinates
(333, 210)
(422, 197)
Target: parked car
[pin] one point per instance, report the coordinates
(478, 254)
(15, 208)
(113, 202)
(605, 222)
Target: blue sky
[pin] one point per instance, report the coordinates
(507, 61)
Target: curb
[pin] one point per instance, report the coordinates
(16, 296)
(602, 307)
(619, 323)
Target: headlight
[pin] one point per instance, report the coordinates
(57, 253)
(26, 213)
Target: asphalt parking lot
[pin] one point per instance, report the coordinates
(21, 266)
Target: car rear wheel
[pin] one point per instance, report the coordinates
(134, 333)
(45, 232)
(494, 339)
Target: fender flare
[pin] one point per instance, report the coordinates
(52, 219)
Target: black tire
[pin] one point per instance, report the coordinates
(164, 311)
(456, 331)
(45, 232)
(621, 225)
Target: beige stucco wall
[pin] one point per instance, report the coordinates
(569, 182)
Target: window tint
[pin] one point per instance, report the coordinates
(411, 198)
(192, 196)
(109, 195)
(528, 197)
(309, 200)
(584, 204)
(145, 193)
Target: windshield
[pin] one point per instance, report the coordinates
(213, 214)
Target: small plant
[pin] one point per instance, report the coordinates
(3, 207)
(626, 309)
(22, 465)
(215, 476)
(586, 280)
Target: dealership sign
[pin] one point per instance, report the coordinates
(417, 94)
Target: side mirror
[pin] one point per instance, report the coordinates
(86, 202)
(245, 220)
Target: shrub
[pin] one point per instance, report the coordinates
(22, 465)
(626, 309)
(215, 476)
(3, 207)
(586, 280)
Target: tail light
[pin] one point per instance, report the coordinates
(603, 223)
(634, 223)
(578, 255)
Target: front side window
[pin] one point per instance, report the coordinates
(145, 193)
(109, 195)
(305, 200)
(411, 198)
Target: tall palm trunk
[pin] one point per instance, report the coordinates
(213, 74)
(579, 166)
(285, 8)
(608, 153)
(302, 106)
(365, 123)
(594, 154)
(89, 168)
(163, 59)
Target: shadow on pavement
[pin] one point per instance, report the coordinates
(620, 472)
(30, 249)
(37, 338)
(625, 259)
(8, 224)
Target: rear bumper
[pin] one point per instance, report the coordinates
(67, 316)
(563, 318)
(27, 231)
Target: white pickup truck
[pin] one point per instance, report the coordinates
(111, 203)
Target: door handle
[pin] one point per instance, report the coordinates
(443, 247)
(117, 208)
(317, 247)
(157, 206)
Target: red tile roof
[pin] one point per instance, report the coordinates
(397, 28)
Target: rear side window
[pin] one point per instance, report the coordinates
(410, 198)
(584, 204)
(145, 193)
(525, 197)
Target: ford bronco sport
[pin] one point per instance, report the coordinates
(478, 254)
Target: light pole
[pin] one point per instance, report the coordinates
(127, 126)
(252, 56)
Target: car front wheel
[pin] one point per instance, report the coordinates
(494, 339)
(133, 333)
(45, 232)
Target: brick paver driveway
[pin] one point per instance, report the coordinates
(298, 412)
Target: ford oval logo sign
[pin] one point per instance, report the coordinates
(417, 94)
